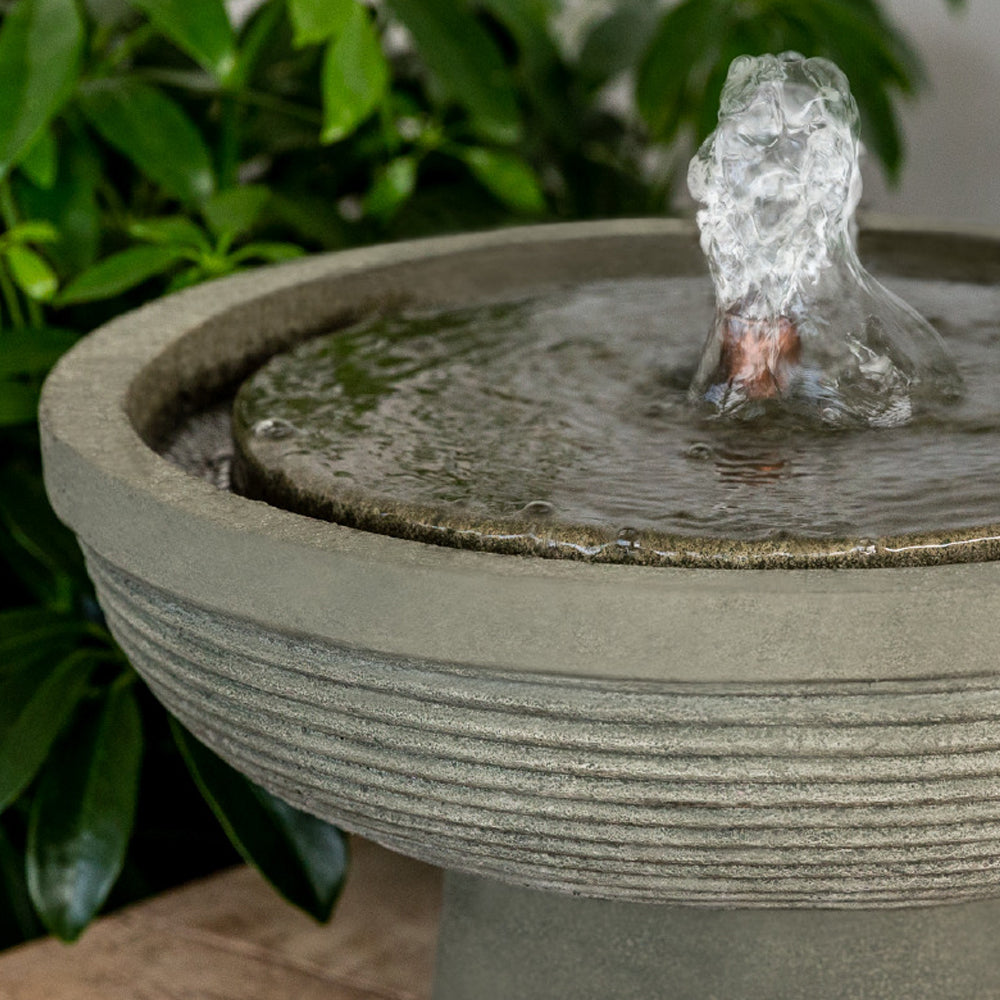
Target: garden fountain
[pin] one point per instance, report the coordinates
(650, 761)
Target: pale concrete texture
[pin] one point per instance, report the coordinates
(501, 943)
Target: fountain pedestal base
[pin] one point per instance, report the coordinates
(500, 942)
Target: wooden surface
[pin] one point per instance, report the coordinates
(230, 937)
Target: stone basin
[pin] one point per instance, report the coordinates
(752, 783)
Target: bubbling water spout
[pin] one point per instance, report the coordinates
(799, 322)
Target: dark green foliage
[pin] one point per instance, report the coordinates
(146, 145)
(682, 72)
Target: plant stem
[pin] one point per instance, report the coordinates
(9, 293)
(8, 211)
(288, 108)
(201, 83)
(128, 46)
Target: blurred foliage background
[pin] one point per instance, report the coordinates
(147, 145)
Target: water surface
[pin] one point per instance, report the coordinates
(574, 407)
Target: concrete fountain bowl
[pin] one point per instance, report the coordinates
(755, 783)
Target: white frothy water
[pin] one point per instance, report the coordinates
(799, 322)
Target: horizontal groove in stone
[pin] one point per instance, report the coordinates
(480, 827)
(728, 800)
(331, 759)
(720, 743)
(322, 752)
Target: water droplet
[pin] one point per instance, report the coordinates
(537, 508)
(700, 452)
(273, 428)
(628, 537)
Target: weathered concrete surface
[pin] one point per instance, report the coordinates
(762, 739)
(498, 942)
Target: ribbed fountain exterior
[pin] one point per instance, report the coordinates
(781, 749)
(843, 794)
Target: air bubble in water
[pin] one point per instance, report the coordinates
(273, 428)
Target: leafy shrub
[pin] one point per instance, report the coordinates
(146, 145)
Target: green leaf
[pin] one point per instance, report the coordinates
(355, 76)
(235, 211)
(507, 177)
(466, 61)
(31, 273)
(303, 857)
(177, 229)
(201, 28)
(315, 21)
(40, 45)
(18, 921)
(37, 698)
(120, 272)
(683, 51)
(393, 186)
(41, 162)
(272, 252)
(83, 813)
(149, 128)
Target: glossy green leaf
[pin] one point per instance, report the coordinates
(41, 162)
(315, 21)
(40, 45)
(507, 177)
(18, 921)
(37, 698)
(83, 812)
(355, 76)
(31, 273)
(235, 211)
(120, 272)
(177, 229)
(153, 131)
(304, 858)
(466, 61)
(201, 28)
(394, 186)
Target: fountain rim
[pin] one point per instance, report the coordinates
(148, 517)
